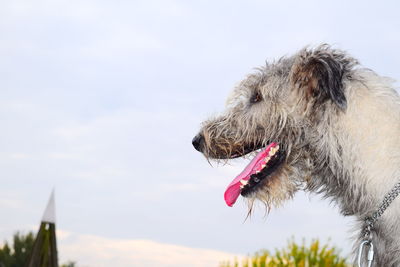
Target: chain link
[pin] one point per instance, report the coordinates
(387, 200)
(369, 225)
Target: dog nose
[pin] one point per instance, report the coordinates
(198, 142)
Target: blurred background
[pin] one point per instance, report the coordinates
(100, 99)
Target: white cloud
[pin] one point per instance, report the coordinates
(90, 30)
(96, 251)
(9, 200)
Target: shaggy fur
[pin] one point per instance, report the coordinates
(339, 125)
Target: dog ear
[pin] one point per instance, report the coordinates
(319, 74)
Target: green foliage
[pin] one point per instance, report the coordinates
(16, 254)
(69, 264)
(294, 255)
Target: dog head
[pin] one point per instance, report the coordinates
(272, 116)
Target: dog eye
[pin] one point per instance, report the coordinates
(256, 97)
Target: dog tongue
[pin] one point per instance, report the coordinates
(233, 191)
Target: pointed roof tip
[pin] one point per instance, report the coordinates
(49, 214)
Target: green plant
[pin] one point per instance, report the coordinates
(69, 264)
(17, 252)
(294, 255)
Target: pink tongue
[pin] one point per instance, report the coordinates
(233, 191)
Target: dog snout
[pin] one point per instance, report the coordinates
(198, 142)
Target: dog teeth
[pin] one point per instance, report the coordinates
(241, 186)
(273, 150)
(263, 166)
(267, 159)
(243, 182)
(257, 172)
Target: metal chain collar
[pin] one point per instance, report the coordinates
(387, 200)
(370, 221)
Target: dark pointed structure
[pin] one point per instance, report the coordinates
(44, 251)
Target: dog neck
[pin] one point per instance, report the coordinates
(361, 161)
(368, 137)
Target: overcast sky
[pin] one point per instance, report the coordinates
(100, 99)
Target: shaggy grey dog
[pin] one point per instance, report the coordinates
(315, 121)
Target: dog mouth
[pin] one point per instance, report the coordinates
(255, 174)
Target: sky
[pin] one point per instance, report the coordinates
(100, 100)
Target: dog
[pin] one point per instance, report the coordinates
(315, 121)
